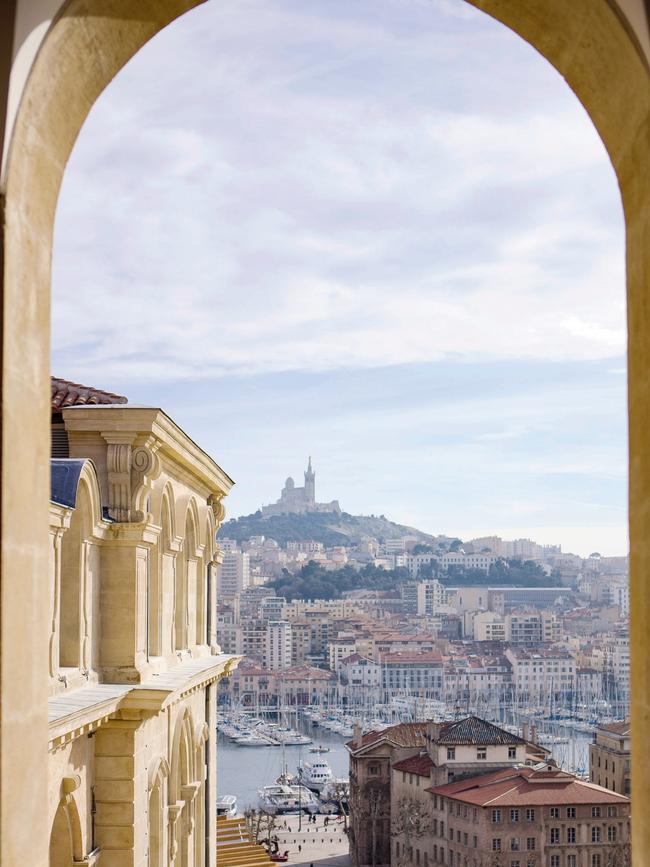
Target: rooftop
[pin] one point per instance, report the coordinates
(420, 765)
(66, 393)
(539, 786)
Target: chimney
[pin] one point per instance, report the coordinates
(533, 733)
(357, 738)
(433, 731)
(524, 730)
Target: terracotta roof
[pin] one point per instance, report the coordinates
(617, 728)
(409, 657)
(527, 787)
(420, 765)
(473, 730)
(402, 735)
(66, 393)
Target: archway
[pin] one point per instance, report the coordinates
(61, 854)
(592, 46)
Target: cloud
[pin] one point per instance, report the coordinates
(318, 188)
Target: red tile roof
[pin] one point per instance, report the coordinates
(402, 735)
(420, 765)
(527, 787)
(66, 393)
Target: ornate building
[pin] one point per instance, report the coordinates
(133, 661)
(296, 501)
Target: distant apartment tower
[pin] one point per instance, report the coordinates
(430, 595)
(278, 645)
(233, 574)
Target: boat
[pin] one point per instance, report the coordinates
(251, 740)
(281, 798)
(227, 806)
(316, 774)
(319, 749)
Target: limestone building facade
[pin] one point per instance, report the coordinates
(133, 662)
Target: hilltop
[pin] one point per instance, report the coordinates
(326, 527)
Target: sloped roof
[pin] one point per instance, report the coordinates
(527, 787)
(475, 731)
(420, 765)
(402, 735)
(617, 728)
(66, 393)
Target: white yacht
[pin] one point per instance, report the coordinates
(227, 806)
(251, 740)
(316, 774)
(282, 798)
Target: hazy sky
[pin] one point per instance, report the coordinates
(380, 232)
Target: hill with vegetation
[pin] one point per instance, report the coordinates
(312, 581)
(326, 527)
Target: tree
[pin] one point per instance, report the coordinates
(412, 820)
(340, 791)
(619, 855)
(376, 811)
(260, 825)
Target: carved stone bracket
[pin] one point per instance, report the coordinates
(131, 472)
(173, 814)
(218, 510)
(189, 792)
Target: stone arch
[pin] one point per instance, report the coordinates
(160, 607)
(589, 42)
(156, 819)
(183, 790)
(80, 575)
(66, 844)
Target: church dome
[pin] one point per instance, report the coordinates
(290, 483)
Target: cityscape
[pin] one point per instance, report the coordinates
(324, 466)
(490, 667)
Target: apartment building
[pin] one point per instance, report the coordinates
(419, 673)
(609, 757)
(278, 645)
(525, 816)
(233, 575)
(542, 674)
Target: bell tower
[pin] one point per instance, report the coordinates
(310, 484)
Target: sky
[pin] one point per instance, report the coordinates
(383, 233)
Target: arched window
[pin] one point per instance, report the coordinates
(162, 567)
(183, 790)
(186, 579)
(157, 849)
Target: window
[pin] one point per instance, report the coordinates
(496, 844)
(555, 861)
(475, 841)
(451, 753)
(570, 812)
(397, 848)
(481, 753)
(496, 816)
(514, 815)
(595, 834)
(451, 834)
(595, 861)
(612, 811)
(512, 752)
(595, 812)
(571, 861)
(611, 834)
(458, 836)
(570, 835)
(465, 839)
(514, 844)
(531, 843)
(403, 776)
(417, 856)
(555, 835)
(530, 814)
(514, 864)
(451, 858)
(555, 812)
(373, 770)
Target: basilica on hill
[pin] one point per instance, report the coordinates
(297, 501)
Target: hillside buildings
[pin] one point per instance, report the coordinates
(296, 501)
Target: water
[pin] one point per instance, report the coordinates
(241, 771)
